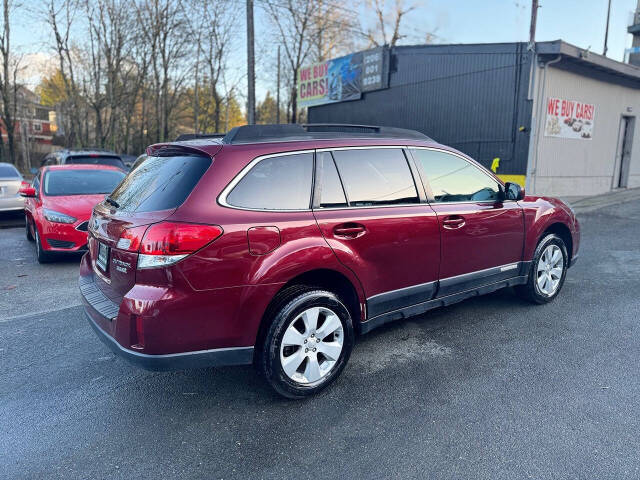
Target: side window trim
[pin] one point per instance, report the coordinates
(411, 163)
(222, 198)
(318, 180)
(427, 185)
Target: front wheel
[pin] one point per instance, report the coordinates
(548, 271)
(28, 228)
(43, 255)
(307, 345)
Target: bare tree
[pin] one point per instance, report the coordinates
(164, 25)
(388, 22)
(294, 22)
(8, 84)
(61, 20)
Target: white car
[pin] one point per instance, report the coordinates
(10, 183)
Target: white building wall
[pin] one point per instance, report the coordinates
(565, 166)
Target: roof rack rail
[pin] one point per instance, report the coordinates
(193, 136)
(317, 131)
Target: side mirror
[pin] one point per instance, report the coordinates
(27, 191)
(513, 191)
(33, 170)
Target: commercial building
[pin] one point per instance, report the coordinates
(559, 119)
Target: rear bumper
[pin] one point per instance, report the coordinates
(8, 204)
(176, 361)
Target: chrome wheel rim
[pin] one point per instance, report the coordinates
(549, 270)
(311, 345)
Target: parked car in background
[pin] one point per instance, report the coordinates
(139, 160)
(59, 203)
(10, 182)
(128, 160)
(277, 244)
(84, 157)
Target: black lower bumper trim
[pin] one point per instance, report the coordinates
(217, 357)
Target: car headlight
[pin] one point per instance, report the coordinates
(58, 217)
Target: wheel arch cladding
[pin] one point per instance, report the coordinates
(323, 279)
(560, 229)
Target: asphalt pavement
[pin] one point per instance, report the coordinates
(490, 388)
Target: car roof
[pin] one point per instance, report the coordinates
(82, 166)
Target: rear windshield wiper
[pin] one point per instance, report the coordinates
(111, 201)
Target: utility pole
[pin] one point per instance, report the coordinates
(278, 89)
(534, 20)
(251, 76)
(606, 31)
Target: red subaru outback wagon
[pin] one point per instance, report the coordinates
(278, 244)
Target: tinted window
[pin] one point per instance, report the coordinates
(95, 160)
(277, 183)
(160, 183)
(376, 177)
(8, 171)
(81, 182)
(331, 192)
(453, 179)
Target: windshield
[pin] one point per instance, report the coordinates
(81, 182)
(160, 183)
(95, 160)
(8, 171)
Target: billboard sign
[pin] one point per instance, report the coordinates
(569, 119)
(344, 78)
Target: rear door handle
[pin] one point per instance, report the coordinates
(349, 230)
(453, 221)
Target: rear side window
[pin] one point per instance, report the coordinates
(95, 160)
(331, 192)
(453, 179)
(275, 183)
(160, 183)
(378, 176)
(8, 171)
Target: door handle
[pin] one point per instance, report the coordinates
(349, 230)
(453, 221)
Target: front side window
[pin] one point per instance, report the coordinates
(81, 182)
(376, 176)
(275, 183)
(453, 179)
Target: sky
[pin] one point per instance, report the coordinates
(580, 22)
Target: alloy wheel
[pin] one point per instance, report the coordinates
(549, 270)
(311, 345)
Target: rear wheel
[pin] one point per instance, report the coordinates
(28, 227)
(307, 345)
(548, 271)
(43, 255)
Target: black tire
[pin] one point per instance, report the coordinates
(531, 290)
(27, 228)
(43, 256)
(268, 359)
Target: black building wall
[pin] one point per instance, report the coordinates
(471, 97)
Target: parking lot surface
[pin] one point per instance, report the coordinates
(490, 388)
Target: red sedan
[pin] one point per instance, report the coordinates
(59, 203)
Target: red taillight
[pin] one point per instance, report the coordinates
(167, 238)
(165, 243)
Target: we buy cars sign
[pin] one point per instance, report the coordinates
(569, 119)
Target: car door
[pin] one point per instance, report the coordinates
(482, 234)
(374, 215)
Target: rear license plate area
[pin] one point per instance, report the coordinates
(102, 260)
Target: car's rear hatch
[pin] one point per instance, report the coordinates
(9, 187)
(148, 195)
